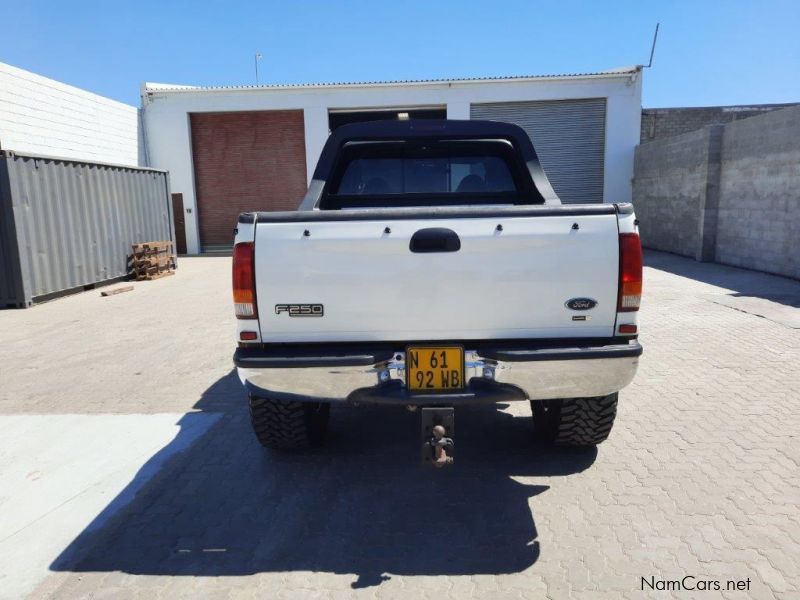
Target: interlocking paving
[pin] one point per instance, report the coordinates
(699, 477)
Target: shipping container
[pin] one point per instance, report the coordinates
(67, 224)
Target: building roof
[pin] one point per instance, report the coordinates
(167, 87)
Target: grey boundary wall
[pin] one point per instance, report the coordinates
(658, 123)
(726, 193)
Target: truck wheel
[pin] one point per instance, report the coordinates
(577, 422)
(286, 425)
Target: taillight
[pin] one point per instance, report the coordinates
(630, 272)
(244, 281)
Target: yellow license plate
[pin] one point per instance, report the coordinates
(434, 368)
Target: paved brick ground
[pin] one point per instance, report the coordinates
(700, 476)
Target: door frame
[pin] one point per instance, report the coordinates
(179, 219)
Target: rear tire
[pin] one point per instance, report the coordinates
(576, 422)
(288, 425)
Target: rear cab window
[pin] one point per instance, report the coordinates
(427, 172)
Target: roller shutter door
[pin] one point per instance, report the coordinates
(245, 161)
(569, 137)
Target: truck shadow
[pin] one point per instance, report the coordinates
(743, 283)
(362, 505)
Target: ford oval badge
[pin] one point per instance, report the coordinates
(580, 303)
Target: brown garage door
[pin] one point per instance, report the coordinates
(245, 161)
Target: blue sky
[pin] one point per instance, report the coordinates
(708, 53)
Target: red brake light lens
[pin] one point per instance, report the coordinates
(244, 281)
(630, 272)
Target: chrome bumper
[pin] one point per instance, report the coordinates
(538, 374)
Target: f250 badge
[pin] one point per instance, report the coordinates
(580, 303)
(300, 310)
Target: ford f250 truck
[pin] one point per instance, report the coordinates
(431, 265)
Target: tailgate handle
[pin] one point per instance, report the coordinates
(435, 239)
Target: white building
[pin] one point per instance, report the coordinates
(232, 149)
(45, 117)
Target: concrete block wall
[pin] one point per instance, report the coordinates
(669, 192)
(726, 193)
(42, 116)
(759, 208)
(658, 123)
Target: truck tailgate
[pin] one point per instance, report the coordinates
(511, 281)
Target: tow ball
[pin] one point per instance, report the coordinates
(437, 436)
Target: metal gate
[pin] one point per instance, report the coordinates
(569, 137)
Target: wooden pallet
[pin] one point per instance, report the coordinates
(152, 260)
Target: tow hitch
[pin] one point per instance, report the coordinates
(438, 427)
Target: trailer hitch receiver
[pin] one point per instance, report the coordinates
(437, 436)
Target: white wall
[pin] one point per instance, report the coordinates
(43, 116)
(168, 137)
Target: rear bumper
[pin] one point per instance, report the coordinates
(494, 374)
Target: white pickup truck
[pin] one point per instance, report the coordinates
(431, 265)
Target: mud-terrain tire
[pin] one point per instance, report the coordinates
(576, 422)
(288, 425)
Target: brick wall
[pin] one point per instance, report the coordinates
(726, 193)
(246, 161)
(658, 123)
